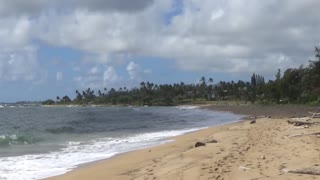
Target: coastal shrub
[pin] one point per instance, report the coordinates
(48, 102)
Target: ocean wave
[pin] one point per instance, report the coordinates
(7, 140)
(61, 130)
(76, 153)
(129, 128)
(63, 147)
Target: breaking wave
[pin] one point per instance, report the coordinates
(7, 140)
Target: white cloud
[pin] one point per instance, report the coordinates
(98, 78)
(113, 5)
(18, 57)
(133, 70)
(22, 7)
(234, 36)
(59, 76)
(136, 73)
(94, 70)
(36, 7)
(85, 81)
(110, 76)
(212, 35)
(19, 64)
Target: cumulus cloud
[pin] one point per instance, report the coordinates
(212, 35)
(135, 72)
(99, 77)
(94, 70)
(37, 7)
(22, 7)
(110, 76)
(234, 36)
(92, 78)
(59, 76)
(113, 5)
(107, 76)
(241, 36)
(19, 65)
(18, 57)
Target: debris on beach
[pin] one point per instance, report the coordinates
(315, 115)
(253, 120)
(305, 134)
(309, 171)
(199, 144)
(305, 121)
(244, 168)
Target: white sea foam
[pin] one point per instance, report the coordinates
(187, 107)
(29, 167)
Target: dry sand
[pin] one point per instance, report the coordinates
(262, 150)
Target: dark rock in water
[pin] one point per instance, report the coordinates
(198, 144)
(212, 141)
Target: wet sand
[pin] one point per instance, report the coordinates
(267, 149)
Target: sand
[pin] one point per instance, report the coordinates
(263, 150)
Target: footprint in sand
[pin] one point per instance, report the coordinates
(204, 168)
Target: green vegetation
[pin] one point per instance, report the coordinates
(48, 102)
(295, 85)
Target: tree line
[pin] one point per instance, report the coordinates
(294, 85)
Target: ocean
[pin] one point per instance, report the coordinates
(38, 142)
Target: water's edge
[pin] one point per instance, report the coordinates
(160, 143)
(112, 132)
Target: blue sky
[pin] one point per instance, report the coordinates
(51, 48)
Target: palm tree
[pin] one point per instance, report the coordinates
(142, 85)
(203, 81)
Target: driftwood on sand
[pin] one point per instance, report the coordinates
(301, 119)
(297, 122)
(310, 171)
(306, 134)
(315, 115)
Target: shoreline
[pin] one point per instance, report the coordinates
(150, 147)
(171, 141)
(148, 163)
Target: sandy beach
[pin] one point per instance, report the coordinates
(268, 149)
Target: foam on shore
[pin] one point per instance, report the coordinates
(39, 166)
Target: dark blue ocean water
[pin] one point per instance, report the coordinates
(37, 142)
